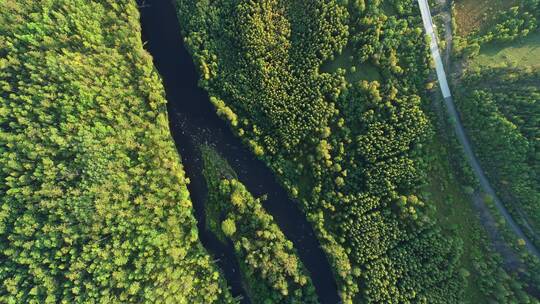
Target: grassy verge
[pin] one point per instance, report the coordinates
(455, 212)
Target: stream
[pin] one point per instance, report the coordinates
(193, 121)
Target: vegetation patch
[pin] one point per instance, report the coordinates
(477, 15)
(504, 25)
(215, 169)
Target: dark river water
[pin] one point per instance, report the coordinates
(193, 121)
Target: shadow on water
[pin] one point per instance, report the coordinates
(193, 121)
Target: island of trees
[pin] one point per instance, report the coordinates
(271, 269)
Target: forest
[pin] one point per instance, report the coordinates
(350, 152)
(336, 97)
(94, 205)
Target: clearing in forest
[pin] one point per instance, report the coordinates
(524, 52)
(354, 70)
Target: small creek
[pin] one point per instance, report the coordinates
(193, 121)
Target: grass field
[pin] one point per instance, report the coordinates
(361, 71)
(524, 52)
(475, 15)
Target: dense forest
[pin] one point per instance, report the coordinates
(270, 266)
(93, 200)
(349, 151)
(501, 109)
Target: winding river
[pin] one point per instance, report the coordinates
(193, 121)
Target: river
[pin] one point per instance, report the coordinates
(193, 121)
